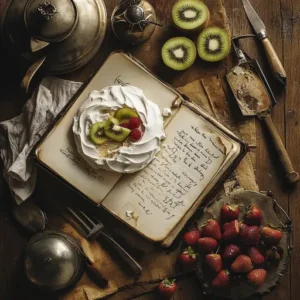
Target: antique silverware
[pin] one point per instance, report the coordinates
(260, 29)
(255, 98)
(134, 21)
(92, 228)
(30, 216)
(53, 261)
(58, 36)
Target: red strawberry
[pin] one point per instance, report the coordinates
(124, 125)
(212, 229)
(214, 261)
(271, 236)
(250, 235)
(188, 257)
(231, 251)
(135, 135)
(242, 264)
(274, 254)
(231, 230)
(191, 238)
(221, 280)
(257, 276)
(134, 123)
(167, 288)
(229, 212)
(253, 216)
(207, 244)
(256, 256)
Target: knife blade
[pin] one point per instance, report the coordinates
(260, 30)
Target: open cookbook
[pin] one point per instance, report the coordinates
(198, 153)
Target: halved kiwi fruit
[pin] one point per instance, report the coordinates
(125, 113)
(114, 131)
(179, 53)
(213, 44)
(190, 15)
(97, 134)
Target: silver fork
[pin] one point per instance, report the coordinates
(92, 227)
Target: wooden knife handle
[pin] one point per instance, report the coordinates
(274, 61)
(291, 175)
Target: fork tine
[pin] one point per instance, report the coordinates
(87, 217)
(78, 219)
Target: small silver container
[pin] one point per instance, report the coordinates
(53, 261)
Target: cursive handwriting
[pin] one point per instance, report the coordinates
(77, 160)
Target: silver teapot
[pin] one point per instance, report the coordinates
(134, 21)
(57, 35)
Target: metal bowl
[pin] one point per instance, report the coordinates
(53, 261)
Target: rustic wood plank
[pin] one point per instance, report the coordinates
(291, 42)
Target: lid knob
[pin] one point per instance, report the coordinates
(134, 14)
(47, 10)
(50, 21)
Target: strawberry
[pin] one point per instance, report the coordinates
(167, 288)
(188, 257)
(253, 216)
(191, 238)
(125, 125)
(231, 230)
(207, 244)
(134, 123)
(256, 256)
(231, 251)
(250, 235)
(214, 261)
(257, 276)
(221, 280)
(271, 236)
(229, 212)
(212, 229)
(242, 264)
(274, 254)
(135, 135)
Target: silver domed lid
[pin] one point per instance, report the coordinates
(52, 20)
(53, 261)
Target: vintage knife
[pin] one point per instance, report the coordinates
(260, 29)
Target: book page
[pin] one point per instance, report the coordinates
(154, 200)
(58, 151)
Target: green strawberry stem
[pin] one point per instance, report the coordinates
(168, 282)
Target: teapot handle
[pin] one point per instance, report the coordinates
(31, 72)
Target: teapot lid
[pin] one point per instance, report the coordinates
(52, 20)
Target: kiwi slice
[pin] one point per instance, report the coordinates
(179, 53)
(114, 131)
(125, 113)
(97, 134)
(190, 15)
(213, 44)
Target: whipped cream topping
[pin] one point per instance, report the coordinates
(130, 157)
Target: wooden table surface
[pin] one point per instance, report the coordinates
(282, 19)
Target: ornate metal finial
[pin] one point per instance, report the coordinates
(47, 10)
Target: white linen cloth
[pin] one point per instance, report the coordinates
(20, 134)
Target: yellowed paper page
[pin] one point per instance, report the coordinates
(154, 200)
(58, 151)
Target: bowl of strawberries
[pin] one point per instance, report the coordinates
(243, 245)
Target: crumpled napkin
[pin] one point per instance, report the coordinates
(20, 134)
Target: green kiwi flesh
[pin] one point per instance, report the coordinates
(190, 15)
(125, 113)
(179, 53)
(114, 131)
(97, 134)
(213, 44)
